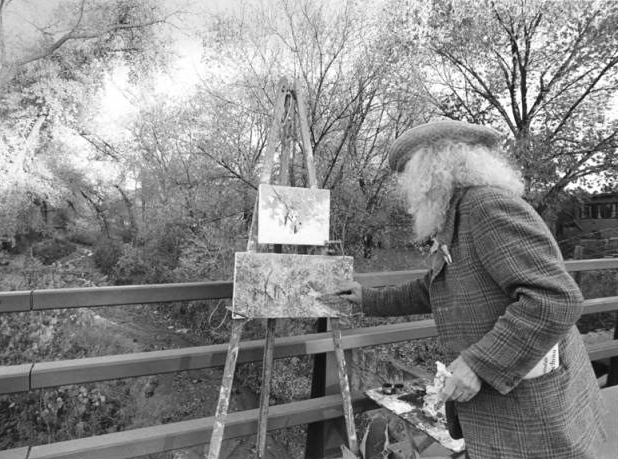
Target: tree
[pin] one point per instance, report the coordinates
(84, 21)
(356, 98)
(545, 71)
(49, 74)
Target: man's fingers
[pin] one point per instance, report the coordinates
(448, 389)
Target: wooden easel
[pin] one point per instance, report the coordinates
(289, 106)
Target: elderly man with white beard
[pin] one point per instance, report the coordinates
(501, 298)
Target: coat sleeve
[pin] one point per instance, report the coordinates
(402, 300)
(517, 250)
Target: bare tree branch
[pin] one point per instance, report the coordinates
(227, 167)
(85, 36)
(545, 88)
(484, 91)
(612, 63)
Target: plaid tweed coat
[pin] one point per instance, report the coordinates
(501, 304)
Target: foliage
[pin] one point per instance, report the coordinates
(136, 266)
(543, 71)
(106, 254)
(50, 78)
(68, 411)
(60, 414)
(52, 249)
(163, 176)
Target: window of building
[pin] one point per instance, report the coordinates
(600, 210)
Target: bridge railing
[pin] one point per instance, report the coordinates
(149, 440)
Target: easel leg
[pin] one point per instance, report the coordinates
(267, 371)
(226, 388)
(345, 387)
(416, 452)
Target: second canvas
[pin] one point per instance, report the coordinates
(269, 285)
(289, 215)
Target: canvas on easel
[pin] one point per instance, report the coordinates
(274, 285)
(291, 215)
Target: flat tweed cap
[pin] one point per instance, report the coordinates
(406, 144)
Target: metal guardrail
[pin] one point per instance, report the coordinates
(137, 442)
(88, 297)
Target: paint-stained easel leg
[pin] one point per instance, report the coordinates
(267, 371)
(226, 388)
(348, 414)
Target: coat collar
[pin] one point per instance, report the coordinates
(445, 236)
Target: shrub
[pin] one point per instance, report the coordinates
(52, 250)
(106, 255)
(139, 265)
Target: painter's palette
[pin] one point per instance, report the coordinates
(408, 405)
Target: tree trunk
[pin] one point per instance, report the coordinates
(129, 205)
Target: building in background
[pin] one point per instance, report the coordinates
(590, 222)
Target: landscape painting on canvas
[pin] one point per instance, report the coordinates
(272, 285)
(289, 215)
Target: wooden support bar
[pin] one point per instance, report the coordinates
(595, 305)
(267, 373)
(226, 389)
(286, 142)
(130, 294)
(602, 350)
(62, 372)
(591, 264)
(87, 297)
(14, 301)
(274, 131)
(252, 238)
(344, 385)
(324, 438)
(17, 453)
(305, 135)
(162, 293)
(610, 423)
(382, 279)
(612, 375)
(15, 378)
(187, 434)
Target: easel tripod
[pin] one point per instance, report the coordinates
(289, 106)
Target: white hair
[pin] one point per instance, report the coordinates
(433, 173)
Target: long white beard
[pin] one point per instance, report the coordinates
(427, 197)
(429, 214)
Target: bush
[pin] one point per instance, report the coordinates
(139, 265)
(52, 250)
(106, 255)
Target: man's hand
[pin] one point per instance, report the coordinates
(463, 385)
(351, 291)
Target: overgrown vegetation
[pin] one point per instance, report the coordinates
(108, 156)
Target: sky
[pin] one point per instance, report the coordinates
(23, 15)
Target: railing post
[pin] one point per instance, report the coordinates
(578, 254)
(324, 438)
(612, 374)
